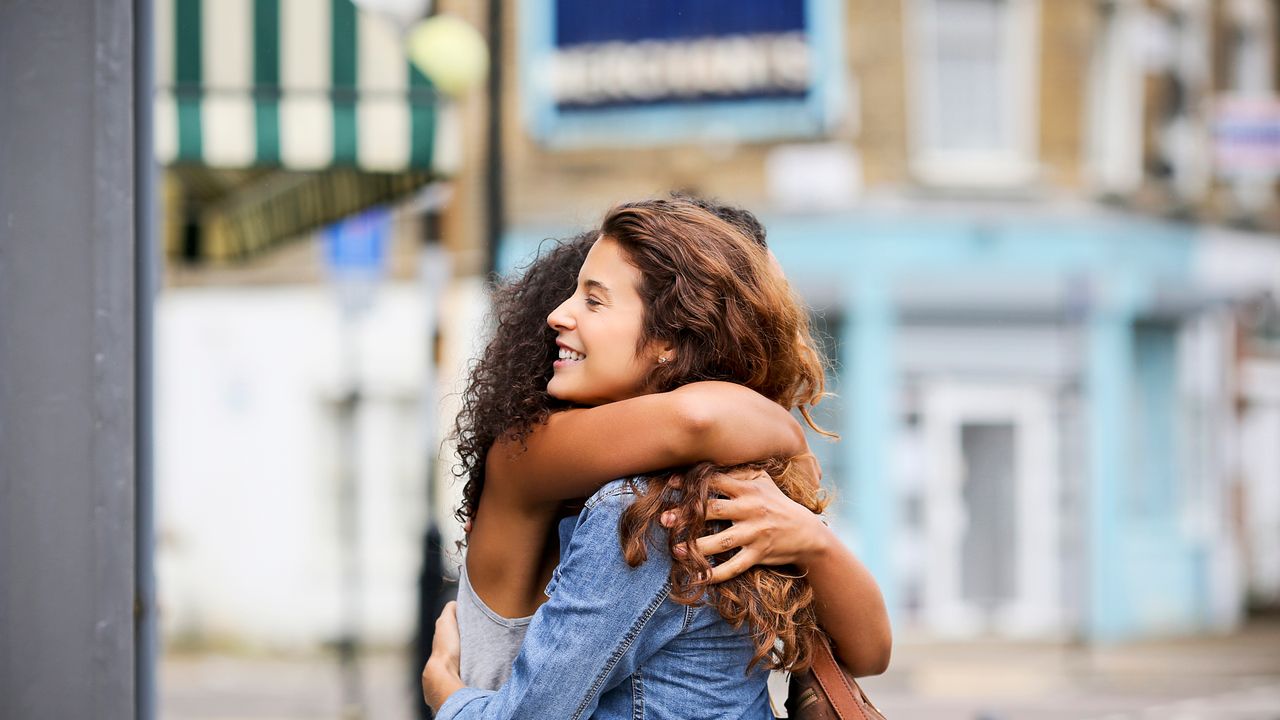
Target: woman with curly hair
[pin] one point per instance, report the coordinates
(672, 307)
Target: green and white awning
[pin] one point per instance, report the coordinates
(294, 84)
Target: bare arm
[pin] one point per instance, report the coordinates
(576, 451)
(850, 606)
(771, 529)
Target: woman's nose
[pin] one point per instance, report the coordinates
(560, 319)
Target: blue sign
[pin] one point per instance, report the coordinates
(1246, 136)
(358, 244)
(675, 51)
(609, 72)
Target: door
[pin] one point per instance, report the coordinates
(991, 510)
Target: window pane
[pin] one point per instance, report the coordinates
(990, 460)
(969, 54)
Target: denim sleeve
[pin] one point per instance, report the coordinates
(601, 622)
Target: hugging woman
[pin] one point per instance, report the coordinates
(680, 349)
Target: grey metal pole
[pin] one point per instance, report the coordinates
(495, 193)
(68, 438)
(349, 516)
(146, 264)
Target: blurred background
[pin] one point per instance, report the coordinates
(1039, 237)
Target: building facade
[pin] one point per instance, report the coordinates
(1039, 238)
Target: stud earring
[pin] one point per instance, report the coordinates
(662, 359)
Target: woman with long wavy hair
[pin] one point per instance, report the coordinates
(673, 304)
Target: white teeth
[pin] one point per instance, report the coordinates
(567, 354)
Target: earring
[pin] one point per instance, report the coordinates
(662, 359)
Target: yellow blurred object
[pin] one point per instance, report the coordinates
(450, 51)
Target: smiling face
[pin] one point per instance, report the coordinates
(598, 330)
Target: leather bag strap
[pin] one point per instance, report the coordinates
(836, 684)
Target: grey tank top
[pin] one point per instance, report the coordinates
(490, 642)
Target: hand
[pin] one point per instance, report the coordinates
(442, 677)
(768, 527)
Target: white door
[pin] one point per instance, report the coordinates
(991, 510)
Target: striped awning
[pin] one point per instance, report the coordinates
(294, 84)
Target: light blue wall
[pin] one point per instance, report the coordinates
(1141, 577)
(1108, 377)
(1168, 596)
(867, 359)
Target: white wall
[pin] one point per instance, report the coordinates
(247, 464)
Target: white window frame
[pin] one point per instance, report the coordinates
(1018, 164)
(1114, 150)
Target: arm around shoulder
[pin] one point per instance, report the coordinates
(576, 451)
(730, 424)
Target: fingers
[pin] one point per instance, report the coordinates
(733, 567)
(738, 482)
(724, 541)
(735, 485)
(449, 614)
(734, 537)
(731, 484)
(441, 676)
(743, 473)
(717, 509)
(447, 641)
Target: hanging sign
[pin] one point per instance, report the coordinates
(1246, 136)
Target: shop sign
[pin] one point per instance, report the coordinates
(357, 245)
(356, 255)
(1246, 136)
(620, 71)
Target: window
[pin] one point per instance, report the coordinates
(973, 100)
(1115, 100)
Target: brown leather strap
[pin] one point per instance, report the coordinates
(836, 685)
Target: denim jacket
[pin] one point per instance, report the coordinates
(610, 643)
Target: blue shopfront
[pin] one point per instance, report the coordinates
(1024, 446)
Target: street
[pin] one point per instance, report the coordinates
(1236, 677)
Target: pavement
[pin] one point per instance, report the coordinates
(1232, 677)
(255, 686)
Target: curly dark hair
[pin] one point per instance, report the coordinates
(506, 393)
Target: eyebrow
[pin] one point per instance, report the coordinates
(597, 285)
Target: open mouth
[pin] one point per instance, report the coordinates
(569, 356)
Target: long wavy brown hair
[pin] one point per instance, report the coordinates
(712, 293)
